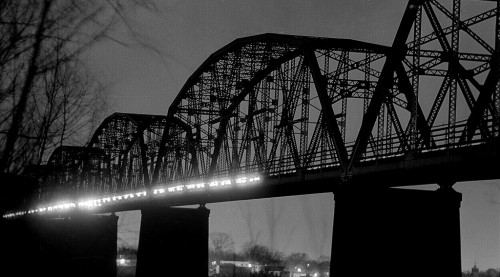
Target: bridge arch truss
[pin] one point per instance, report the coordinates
(278, 104)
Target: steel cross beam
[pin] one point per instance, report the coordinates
(460, 24)
(411, 96)
(457, 72)
(486, 93)
(385, 82)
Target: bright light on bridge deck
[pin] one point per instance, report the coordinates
(64, 206)
(198, 185)
(173, 189)
(103, 201)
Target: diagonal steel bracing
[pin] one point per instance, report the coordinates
(302, 108)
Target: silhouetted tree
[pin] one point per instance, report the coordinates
(127, 252)
(44, 89)
(222, 245)
(491, 272)
(261, 254)
(297, 260)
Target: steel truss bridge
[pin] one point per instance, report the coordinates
(274, 115)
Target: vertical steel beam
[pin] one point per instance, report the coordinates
(366, 99)
(144, 158)
(221, 134)
(414, 107)
(497, 85)
(290, 106)
(453, 68)
(343, 86)
(252, 99)
(393, 116)
(326, 105)
(380, 130)
(304, 124)
(161, 153)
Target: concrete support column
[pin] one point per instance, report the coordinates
(173, 242)
(78, 245)
(396, 232)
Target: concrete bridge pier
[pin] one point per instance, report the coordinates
(173, 242)
(76, 245)
(396, 232)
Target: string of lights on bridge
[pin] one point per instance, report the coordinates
(158, 191)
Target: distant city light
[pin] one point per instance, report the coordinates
(172, 189)
(122, 261)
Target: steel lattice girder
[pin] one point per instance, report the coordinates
(279, 104)
(131, 143)
(72, 171)
(229, 89)
(228, 108)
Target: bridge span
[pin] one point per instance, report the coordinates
(275, 115)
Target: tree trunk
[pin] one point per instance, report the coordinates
(28, 85)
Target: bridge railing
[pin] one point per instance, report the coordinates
(443, 137)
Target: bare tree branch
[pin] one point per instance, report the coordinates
(46, 95)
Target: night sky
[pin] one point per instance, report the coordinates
(186, 32)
